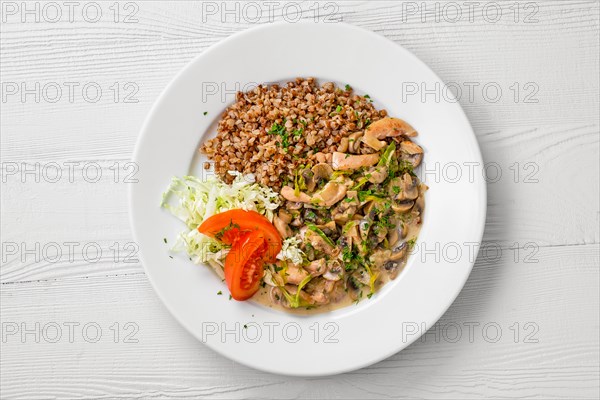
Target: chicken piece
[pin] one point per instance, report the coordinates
(345, 162)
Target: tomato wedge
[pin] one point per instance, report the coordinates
(244, 265)
(230, 226)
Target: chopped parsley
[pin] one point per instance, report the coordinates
(348, 87)
(280, 131)
(319, 232)
(411, 243)
(219, 293)
(406, 166)
(298, 132)
(205, 113)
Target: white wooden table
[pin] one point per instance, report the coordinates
(528, 316)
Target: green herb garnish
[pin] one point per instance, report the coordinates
(319, 232)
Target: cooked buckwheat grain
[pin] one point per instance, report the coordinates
(270, 131)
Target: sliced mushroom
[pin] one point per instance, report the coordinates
(345, 162)
(393, 236)
(410, 189)
(318, 291)
(334, 271)
(318, 297)
(329, 228)
(283, 228)
(310, 216)
(399, 251)
(293, 205)
(350, 234)
(354, 142)
(309, 180)
(322, 171)
(386, 127)
(353, 286)
(343, 147)
(402, 206)
(364, 226)
(380, 257)
(374, 208)
(277, 297)
(288, 193)
(329, 195)
(284, 215)
(420, 202)
(318, 173)
(346, 208)
(362, 276)
(404, 230)
(317, 267)
(298, 221)
(403, 187)
(380, 234)
(412, 151)
(392, 268)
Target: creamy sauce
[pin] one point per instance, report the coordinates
(263, 298)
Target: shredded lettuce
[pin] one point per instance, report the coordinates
(193, 200)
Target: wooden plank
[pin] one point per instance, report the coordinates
(546, 312)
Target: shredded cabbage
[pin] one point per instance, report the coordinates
(290, 250)
(198, 199)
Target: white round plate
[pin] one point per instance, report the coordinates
(351, 337)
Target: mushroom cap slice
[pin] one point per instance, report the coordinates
(354, 142)
(414, 152)
(329, 195)
(410, 189)
(282, 227)
(403, 188)
(335, 271)
(322, 171)
(403, 206)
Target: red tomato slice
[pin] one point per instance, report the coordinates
(244, 265)
(230, 226)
